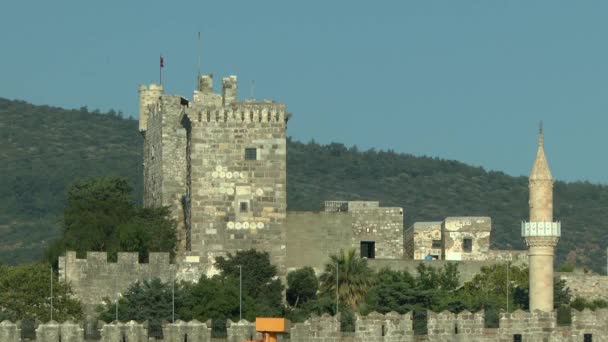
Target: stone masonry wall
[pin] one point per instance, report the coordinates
(382, 225)
(391, 327)
(235, 203)
(165, 167)
(94, 278)
(312, 237)
(174, 164)
(421, 236)
(588, 286)
(456, 229)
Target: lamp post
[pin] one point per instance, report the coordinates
(173, 299)
(240, 292)
(51, 293)
(508, 269)
(337, 287)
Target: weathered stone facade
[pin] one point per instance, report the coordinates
(456, 238)
(220, 165)
(391, 327)
(423, 240)
(588, 286)
(94, 278)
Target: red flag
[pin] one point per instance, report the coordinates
(162, 61)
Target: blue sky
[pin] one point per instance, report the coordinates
(465, 80)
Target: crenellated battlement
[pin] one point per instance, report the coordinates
(149, 96)
(391, 327)
(243, 112)
(94, 277)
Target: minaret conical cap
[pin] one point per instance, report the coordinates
(540, 169)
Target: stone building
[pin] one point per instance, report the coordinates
(220, 164)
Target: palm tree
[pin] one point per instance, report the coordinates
(354, 277)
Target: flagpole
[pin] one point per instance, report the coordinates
(199, 54)
(160, 70)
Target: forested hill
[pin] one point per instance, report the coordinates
(43, 149)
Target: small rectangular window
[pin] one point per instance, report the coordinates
(467, 245)
(588, 338)
(251, 153)
(244, 207)
(436, 243)
(368, 249)
(517, 338)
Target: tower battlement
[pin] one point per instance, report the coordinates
(149, 96)
(247, 112)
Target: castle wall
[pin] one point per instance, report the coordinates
(94, 278)
(313, 237)
(391, 327)
(187, 331)
(236, 203)
(588, 286)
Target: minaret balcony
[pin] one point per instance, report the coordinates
(541, 229)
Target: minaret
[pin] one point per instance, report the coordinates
(541, 233)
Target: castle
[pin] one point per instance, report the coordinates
(219, 164)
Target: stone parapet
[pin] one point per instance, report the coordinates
(181, 331)
(391, 327)
(588, 286)
(95, 277)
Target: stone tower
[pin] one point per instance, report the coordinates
(220, 165)
(541, 233)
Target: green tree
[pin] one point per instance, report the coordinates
(100, 216)
(150, 300)
(259, 280)
(302, 286)
(212, 298)
(354, 278)
(394, 291)
(489, 288)
(25, 293)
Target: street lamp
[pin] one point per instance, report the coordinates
(337, 287)
(240, 292)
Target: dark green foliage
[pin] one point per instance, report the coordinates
(354, 278)
(150, 301)
(581, 303)
(212, 298)
(565, 268)
(394, 291)
(488, 289)
(101, 216)
(564, 315)
(260, 284)
(45, 149)
(432, 289)
(25, 293)
(302, 286)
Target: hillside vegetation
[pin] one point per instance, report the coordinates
(45, 149)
